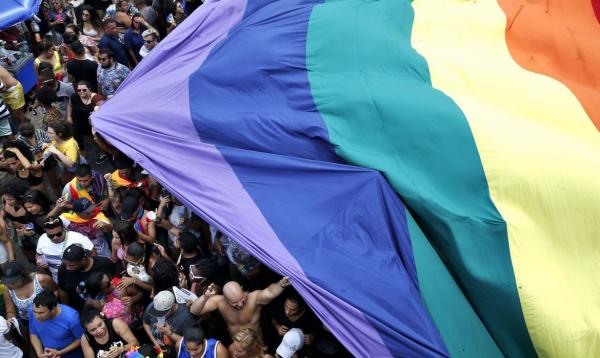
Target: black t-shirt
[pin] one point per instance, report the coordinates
(80, 113)
(69, 280)
(308, 323)
(84, 70)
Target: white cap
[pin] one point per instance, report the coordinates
(292, 342)
(162, 303)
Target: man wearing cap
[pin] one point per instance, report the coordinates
(292, 342)
(53, 243)
(143, 220)
(87, 219)
(239, 308)
(77, 266)
(164, 310)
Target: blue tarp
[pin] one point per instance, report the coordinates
(15, 11)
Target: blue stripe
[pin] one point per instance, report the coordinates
(344, 225)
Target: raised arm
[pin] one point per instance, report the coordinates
(24, 161)
(206, 303)
(267, 295)
(123, 330)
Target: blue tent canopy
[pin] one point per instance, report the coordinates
(14, 11)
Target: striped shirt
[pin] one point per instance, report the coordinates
(41, 138)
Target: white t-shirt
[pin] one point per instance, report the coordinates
(53, 252)
(7, 349)
(177, 218)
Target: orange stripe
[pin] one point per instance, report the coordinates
(558, 38)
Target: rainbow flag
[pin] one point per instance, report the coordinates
(278, 121)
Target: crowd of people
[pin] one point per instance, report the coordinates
(97, 259)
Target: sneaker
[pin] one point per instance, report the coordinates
(101, 158)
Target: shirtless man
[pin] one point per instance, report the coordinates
(239, 308)
(13, 95)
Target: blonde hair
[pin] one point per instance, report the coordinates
(250, 341)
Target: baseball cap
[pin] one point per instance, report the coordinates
(162, 303)
(83, 205)
(74, 252)
(12, 272)
(292, 342)
(128, 207)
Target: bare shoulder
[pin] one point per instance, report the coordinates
(119, 324)
(217, 299)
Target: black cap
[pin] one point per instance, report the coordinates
(128, 206)
(123, 162)
(12, 272)
(74, 253)
(83, 205)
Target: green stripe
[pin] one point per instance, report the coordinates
(451, 312)
(375, 95)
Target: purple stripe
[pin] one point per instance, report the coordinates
(201, 173)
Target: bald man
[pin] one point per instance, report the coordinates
(239, 308)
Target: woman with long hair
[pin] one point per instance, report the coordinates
(80, 107)
(21, 287)
(104, 337)
(91, 24)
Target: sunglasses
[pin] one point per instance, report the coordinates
(58, 234)
(82, 90)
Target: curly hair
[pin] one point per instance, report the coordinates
(62, 129)
(14, 187)
(164, 275)
(250, 341)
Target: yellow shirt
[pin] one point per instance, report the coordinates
(69, 148)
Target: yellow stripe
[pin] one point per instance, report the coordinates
(541, 155)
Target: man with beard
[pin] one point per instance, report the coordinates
(239, 308)
(110, 73)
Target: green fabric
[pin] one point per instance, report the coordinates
(375, 95)
(451, 312)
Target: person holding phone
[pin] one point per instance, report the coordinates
(54, 328)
